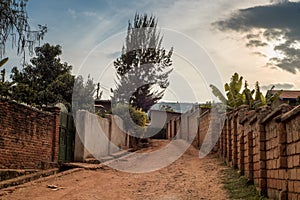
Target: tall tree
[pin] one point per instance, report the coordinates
(144, 66)
(46, 80)
(4, 85)
(14, 24)
(83, 94)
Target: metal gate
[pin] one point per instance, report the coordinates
(66, 137)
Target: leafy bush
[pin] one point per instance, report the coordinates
(138, 116)
(134, 119)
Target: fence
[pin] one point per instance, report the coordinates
(196, 126)
(265, 146)
(98, 137)
(28, 136)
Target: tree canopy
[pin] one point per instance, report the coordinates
(14, 25)
(83, 94)
(4, 85)
(45, 81)
(144, 65)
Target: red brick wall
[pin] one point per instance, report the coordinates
(292, 127)
(203, 127)
(267, 149)
(27, 136)
(264, 144)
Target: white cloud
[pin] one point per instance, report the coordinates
(192, 18)
(90, 14)
(72, 13)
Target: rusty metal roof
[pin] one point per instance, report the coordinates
(287, 94)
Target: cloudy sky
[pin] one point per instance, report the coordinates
(259, 39)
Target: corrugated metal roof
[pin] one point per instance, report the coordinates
(287, 94)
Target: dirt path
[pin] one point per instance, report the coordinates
(187, 178)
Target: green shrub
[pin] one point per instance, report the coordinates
(138, 118)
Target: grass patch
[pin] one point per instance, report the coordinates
(239, 187)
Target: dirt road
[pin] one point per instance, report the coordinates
(187, 178)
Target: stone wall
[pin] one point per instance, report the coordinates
(28, 136)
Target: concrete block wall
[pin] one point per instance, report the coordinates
(194, 127)
(118, 137)
(98, 137)
(28, 136)
(185, 126)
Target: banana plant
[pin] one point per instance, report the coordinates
(236, 98)
(271, 98)
(218, 94)
(233, 91)
(248, 95)
(260, 99)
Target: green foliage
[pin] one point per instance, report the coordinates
(5, 89)
(3, 61)
(14, 25)
(134, 120)
(259, 99)
(98, 93)
(218, 94)
(138, 117)
(83, 94)
(4, 85)
(143, 65)
(236, 97)
(239, 187)
(233, 91)
(45, 81)
(272, 97)
(166, 108)
(207, 104)
(247, 95)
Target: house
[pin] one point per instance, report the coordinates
(159, 118)
(179, 107)
(291, 97)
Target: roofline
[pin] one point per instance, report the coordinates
(172, 112)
